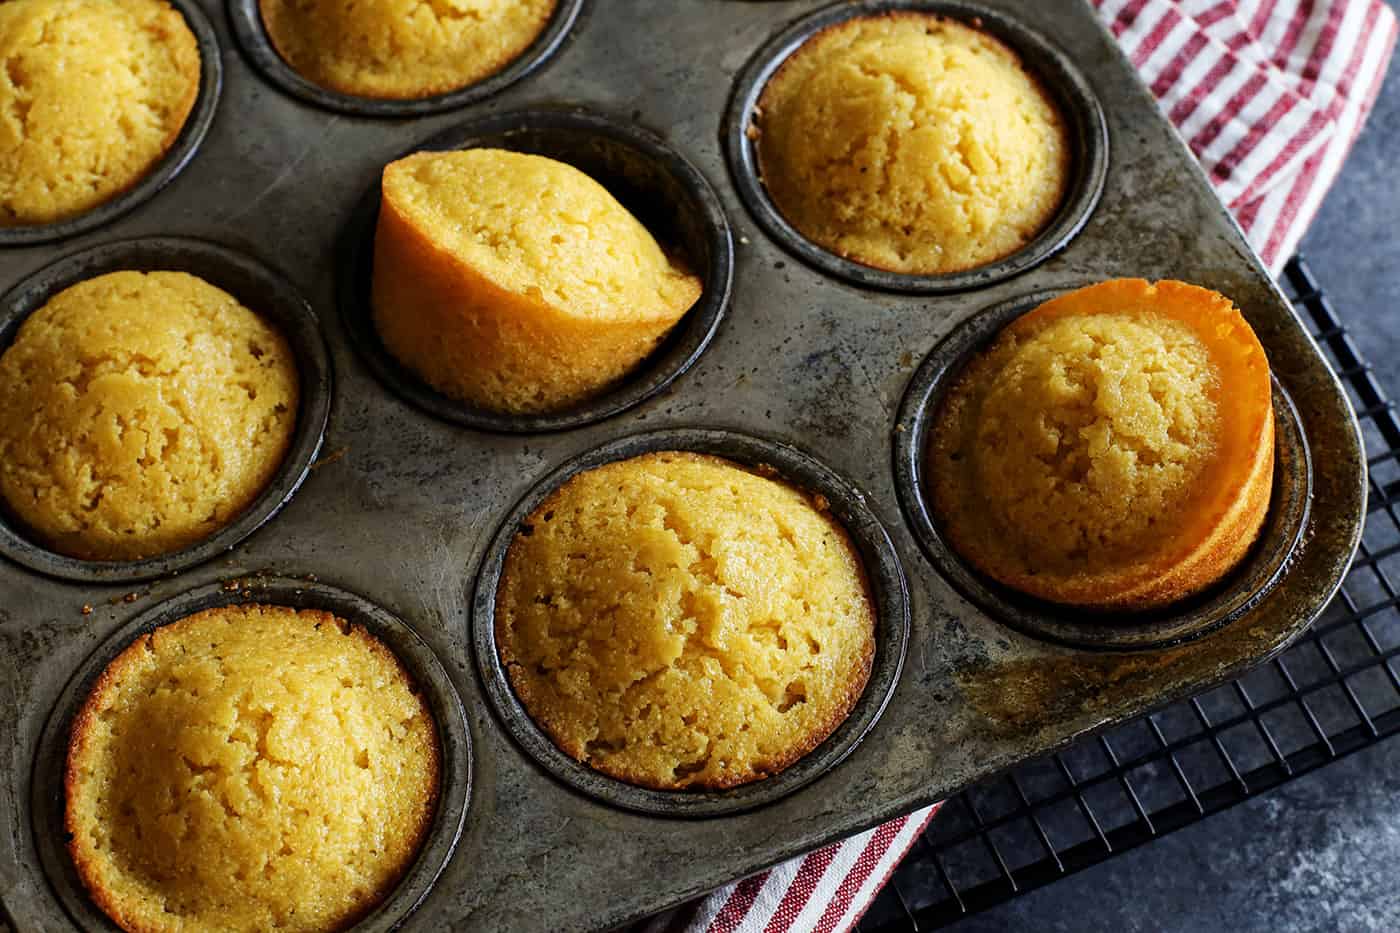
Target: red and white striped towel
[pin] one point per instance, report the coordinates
(1270, 95)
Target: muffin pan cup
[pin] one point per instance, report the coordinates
(430, 680)
(409, 507)
(887, 591)
(260, 290)
(181, 151)
(648, 177)
(1057, 73)
(246, 20)
(1221, 604)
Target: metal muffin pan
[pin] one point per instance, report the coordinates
(651, 179)
(256, 287)
(211, 76)
(430, 681)
(885, 580)
(403, 506)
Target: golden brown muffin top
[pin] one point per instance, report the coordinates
(541, 229)
(92, 94)
(1111, 449)
(1085, 439)
(139, 413)
(679, 621)
(402, 49)
(912, 143)
(250, 768)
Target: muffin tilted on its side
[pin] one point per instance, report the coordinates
(401, 49)
(516, 283)
(249, 768)
(92, 94)
(1112, 449)
(140, 412)
(679, 621)
(911, 143)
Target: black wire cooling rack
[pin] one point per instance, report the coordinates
(1334, 692)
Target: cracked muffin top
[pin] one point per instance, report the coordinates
(249, 768)
(92, 95)
(1090, 432)
(912, 143)
(1111, 448)
(679, 621)
(402, 49)
(139, 413)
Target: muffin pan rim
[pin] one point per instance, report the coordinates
(171, 163)
(1051, 66)
(293, 318)
(678, 351)
(1284, 530)
(885, 579)
(246, 23)
(47, 794)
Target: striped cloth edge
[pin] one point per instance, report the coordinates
(825, 891)
(1269, 95)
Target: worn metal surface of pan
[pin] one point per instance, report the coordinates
(403, 505)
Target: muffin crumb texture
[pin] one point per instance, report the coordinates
(249, 768)
(141, 412)
(1092, 434)
(402, 49)
(677, 621)
(92, 94)
(516, 282)
(911, 143)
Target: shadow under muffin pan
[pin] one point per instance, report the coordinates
(246, 20)
(1232, 597)
(651, 180)
(181, 151)
(885, 578)
(1068, 88)
(259, 289)
(47, 800)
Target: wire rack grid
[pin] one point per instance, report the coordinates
(1334, 692)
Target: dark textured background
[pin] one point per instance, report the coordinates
(1320, 853)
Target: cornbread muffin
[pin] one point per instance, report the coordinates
(92, 95)
(517, 283)
(679, 621)
(139, 413)
(1111, 449)
(401, 49)
(911, 143)
(249, 768)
